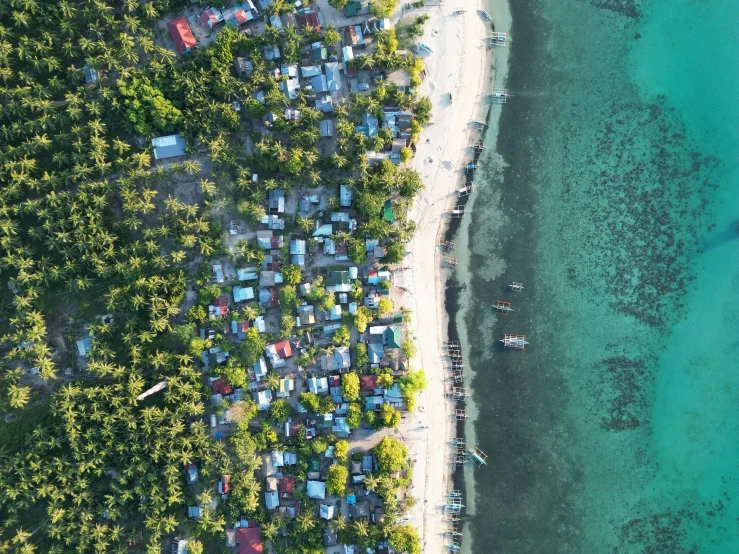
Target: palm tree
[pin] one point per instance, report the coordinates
(272, 380)
(306, 520)
(270, 529)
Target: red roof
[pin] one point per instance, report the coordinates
(310, 19)
(368, 383)
(208, 18)
(274, 242)
(287, 484)
(181, 34)
(222, 305)
(334, 381)
(249, 540)
(240, 16)
(273, 300)
(284, 350)
(221, 386)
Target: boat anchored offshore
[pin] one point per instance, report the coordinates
(516, 287)
(502, 308)
(499, 96)
(477, 456)
(499, 39)
(517, 342)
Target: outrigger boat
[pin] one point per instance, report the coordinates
(458, 211)
(477, 457)
(425, 47)
(465, 190)
(478, 124)
(499, 39)
(459, 12)
(499, 96)
(470, 169)
(516, 287)
(485, 15)
(517, 342)
(460, 415)
(479, 146)
(459, 393)
(502, 308)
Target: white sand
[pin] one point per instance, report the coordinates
(460, 64)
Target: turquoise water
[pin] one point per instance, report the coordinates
(617, 204)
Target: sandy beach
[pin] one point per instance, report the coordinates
(460, 65)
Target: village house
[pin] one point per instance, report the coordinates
(170, 146)
(218, 307)
(278, 353)
(181, 34)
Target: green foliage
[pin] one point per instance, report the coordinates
(394, 253)
(147, 111)
(309, 401)
(234, 374)
(338, 4)
(332, 36)
(361, 358)
(405, 154)
(326, 405)
(422, 110)
(357, 251)
(280, 410)
(288, 298)
(319, 445)
(253, 347)
(362, 317)
(391, 455)
(386, 380)
(340, 450)
(341, 336)
(404, 538)
(291, 274)
(197, 314)
(287, 324)
(354, 415)
(411, 385)
(384, 306)
(383, 8)
(369, 204)
(350, 385)
(409, 349)
(208, 293)
(336, 482)
(385, 284)
(388, 416)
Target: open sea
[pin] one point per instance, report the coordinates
(610, 189)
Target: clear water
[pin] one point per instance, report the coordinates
(614, 197)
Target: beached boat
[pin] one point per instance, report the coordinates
(459, 393)
(470, 169)
(517, 342)
(499, 39)
(499, 96)
(516, 287)
(502, 308)
(465, 190)
(485, 15)
(459, 12)
(425, 47)
(460, 415)
(478, 124)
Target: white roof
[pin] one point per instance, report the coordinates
(169, 140)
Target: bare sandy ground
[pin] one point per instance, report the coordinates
(460, 65)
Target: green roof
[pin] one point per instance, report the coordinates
(387, 212)
(314, 464)
(393, 336)
(318, 54)
(337, 277)
(352, 9)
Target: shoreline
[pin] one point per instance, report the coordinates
(458, 45)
